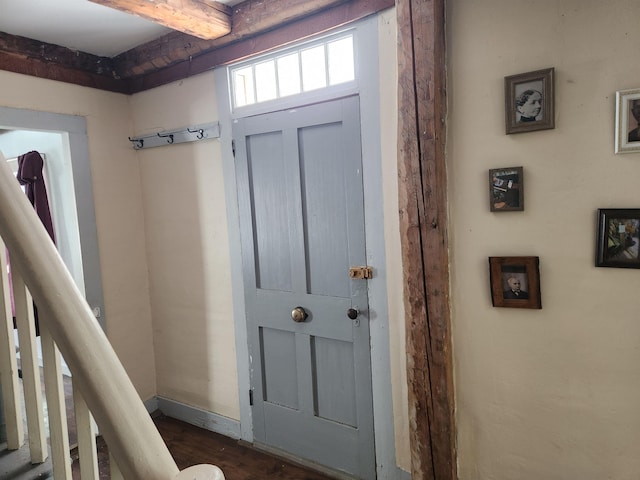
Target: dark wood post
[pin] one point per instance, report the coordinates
(423, 223)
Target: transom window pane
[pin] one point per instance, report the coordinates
(266, 81)
(289, 74)
(314, 74)
(341, 61)
(243, 86)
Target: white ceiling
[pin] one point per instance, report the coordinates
(78, 25)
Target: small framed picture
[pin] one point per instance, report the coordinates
(618, 238)
(506, 189)
(627, 121)
(529, 101)
(515, 282)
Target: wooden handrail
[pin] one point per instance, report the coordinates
(124, 422)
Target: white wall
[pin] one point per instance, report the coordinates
(188, 250)
(118, 207)
(552, 393)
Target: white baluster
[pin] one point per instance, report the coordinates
(56, 408)
(86, 438)
(8, 363)
(30, 369)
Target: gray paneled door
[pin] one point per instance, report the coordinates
(302, 226)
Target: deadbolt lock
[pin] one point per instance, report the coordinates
(360, 273)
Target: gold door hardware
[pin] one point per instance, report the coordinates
(298, 315)
(360, 273)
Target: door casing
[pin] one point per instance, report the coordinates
(367, 68)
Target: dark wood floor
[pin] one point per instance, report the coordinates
(188, 444)
(191, 445)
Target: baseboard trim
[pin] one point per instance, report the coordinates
(151, 405)
(402, 474)
(196, 416)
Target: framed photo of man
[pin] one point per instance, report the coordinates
(529, 101)
(627, 121)
(515, 282)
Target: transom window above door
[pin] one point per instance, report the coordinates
(306, 68)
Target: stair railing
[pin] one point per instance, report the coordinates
(68, 324)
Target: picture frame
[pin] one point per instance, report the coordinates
(530, 101)
(618, 238)
(506, 189)
(627, 121)
(515, 282)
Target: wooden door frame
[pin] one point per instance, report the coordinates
(422, 113)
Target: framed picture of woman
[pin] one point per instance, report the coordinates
(529, 101)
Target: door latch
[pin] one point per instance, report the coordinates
(360, 273)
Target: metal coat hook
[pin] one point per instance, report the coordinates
(138, 143)
(200, 133)
(168, 137)
(173, 137)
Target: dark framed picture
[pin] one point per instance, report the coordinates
(515, 282)
(529, 101)
(627, 121)
(506, 189)
(618, 238)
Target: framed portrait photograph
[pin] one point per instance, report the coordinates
(515, 282)
(627, 121)
(506, 189)
(618, 238)
(529, 101)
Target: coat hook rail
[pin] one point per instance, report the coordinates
(172, 137)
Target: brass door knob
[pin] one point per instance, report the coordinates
(353, 313)
(298, 315)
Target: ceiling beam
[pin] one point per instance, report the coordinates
(204, 19)
(53, 62)
(336, 16)
(177, 56)
(249, 19)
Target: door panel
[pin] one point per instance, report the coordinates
(279, 378)
(334, 380)
(324, 209)
(269, 204)
(302, 226)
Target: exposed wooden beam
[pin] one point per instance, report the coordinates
(338, 15)
(249, 19)
(204, 19)
(44, 60)
(424, 238)
(177, 56)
